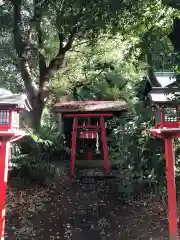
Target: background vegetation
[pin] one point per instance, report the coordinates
(105, 50)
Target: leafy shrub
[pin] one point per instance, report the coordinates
(140, 156)
(36, 156)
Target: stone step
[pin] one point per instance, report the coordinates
(87, 202)
(89, 163)
(90, 173)
(97, 178)
(89, 199)
(89, 187)
(86, 211)
(88, 234)
(88, 180)
(86, 208)
(84, 221)
(87, 216)
(88, 195)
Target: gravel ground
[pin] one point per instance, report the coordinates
(47, 213)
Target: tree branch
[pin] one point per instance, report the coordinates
(42, 61)
(61, 38)
(147, 51)
(41, 58)
(58, 60)
(71, 39)
(20, 47)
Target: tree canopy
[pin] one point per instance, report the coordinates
(41, 39)
(90, 50)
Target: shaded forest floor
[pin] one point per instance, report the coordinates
(43, 213)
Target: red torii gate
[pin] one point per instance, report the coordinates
(89, 133)
(89, 119)
(10, 107)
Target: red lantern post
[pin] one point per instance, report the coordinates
(169, 135)
(171, 186)
(10, 106)
(168, 128)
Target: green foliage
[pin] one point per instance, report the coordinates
(38, 156)
(38, 38)
(139, 155)
(99, 50)
(99, 72)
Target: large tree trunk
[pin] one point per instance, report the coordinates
(36, 91)
(37, 102)
(151, 73)
(175, 39)
(35, 116)
(149, 58)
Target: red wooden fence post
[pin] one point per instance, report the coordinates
(73, 148)
(4, 164)
(89, 155)
(104, 143)
(171, 187)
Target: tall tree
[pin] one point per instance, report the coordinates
(43, 31)
(37, 34)
(174, 35)
(99, 72)
(153, 43)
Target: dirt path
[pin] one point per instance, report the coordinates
(75, 210)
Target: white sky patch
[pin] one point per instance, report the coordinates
(165, 78)
(164, 81)
(1, 2)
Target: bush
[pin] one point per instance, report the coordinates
(36, 156)
(140, 156)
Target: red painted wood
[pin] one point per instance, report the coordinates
(168, 125)
(104, 143)
(10, 119)
(89, 155)
(154, 133)
(88, 134)
(83, 115)
(73, 148)
(89, 126)
(171, 187)
(162, 116)
(4, 163)
(166, 133)
(169, 134)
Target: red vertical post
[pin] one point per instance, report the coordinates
(73, 147)
(4, 164)
(171, 188)
(89, 120)
(89, 155)
(104, 143)
(162, 116)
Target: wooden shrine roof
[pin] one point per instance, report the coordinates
(164, 95)
(90, 106)
(14, 100)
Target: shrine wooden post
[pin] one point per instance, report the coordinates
(167, 116)
(10, 107)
